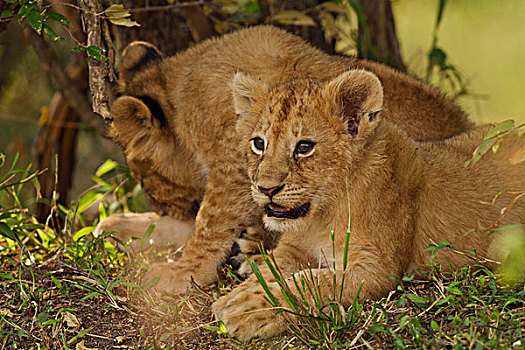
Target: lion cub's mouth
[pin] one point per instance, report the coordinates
(275, 210)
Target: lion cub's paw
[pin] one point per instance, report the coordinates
(168, 230)
(172, 280)
(126, 225)
(247, 315)
(249, 246)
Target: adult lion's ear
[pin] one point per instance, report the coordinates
(135, 58)
(358, 95)
(247, 93)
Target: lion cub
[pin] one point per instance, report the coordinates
(320, 151)
(176, 125)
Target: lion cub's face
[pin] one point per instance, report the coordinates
(301, 138)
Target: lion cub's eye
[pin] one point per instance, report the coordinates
(257, 145)
(304, 148)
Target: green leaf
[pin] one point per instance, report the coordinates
(91, 295)
(211, 328)
(147, 235)
(481, 150)
(35, 21)
(445, 300)
(454, 290)
(7, 13)
(438, 56)
(56, 282)
(88, 199)
(219, 330)
(6, 276)
(500, 128)
(102, 213)
(51, 33)
(512, 300)
(510, 229)
(435, 326)
(252, 7)
(295, 18)
(96, 53)
(79, 335)
(105, 185)
(441, 8)
(42, 317)
(260, 278)
(222, 327)
(7, 232)
(59, 18)
(417, 299)
(106, 167)
(79, 48)
(24, 10)
(128, 284)
(82, 232)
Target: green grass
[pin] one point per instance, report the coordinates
(470, 308)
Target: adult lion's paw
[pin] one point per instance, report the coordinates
(247, 315)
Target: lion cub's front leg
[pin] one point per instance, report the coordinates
(245, 312)
(225, 209)
(168, 230)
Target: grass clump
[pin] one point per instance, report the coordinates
(469, 308)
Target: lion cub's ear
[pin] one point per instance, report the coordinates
(248, 96)
(135, 58)
(358, 95)
(132, 116)
(247, 93)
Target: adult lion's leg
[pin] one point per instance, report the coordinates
(226, 208)
(168, 230)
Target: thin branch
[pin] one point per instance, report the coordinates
(101, 73)
(61, 81)
(168, 7)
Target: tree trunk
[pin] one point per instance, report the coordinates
(377, 34)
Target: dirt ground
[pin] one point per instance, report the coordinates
(48, 302)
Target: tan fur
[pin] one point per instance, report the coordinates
(402, 194)
(192, 158)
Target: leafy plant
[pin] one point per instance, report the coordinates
(493, 138)
(438, 61)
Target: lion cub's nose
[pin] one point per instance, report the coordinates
(272, 191)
